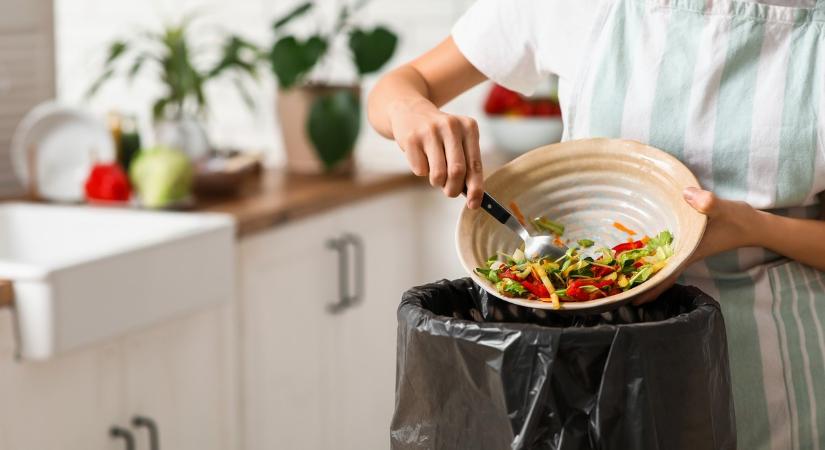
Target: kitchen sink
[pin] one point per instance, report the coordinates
(83, 274)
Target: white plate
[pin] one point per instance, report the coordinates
(67, 143)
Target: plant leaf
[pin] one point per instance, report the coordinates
(293, 14)
(237, 54)
(334, 121)
(99, 82)
(137, 64)
(292, 59)
(116, 49)
(372, 49)
(159, 107)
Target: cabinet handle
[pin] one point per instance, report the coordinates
(340, 246)
(122, 433)
(151, 427)
(348, 296)
(358, 246)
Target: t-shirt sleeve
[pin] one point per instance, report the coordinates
(499, 39)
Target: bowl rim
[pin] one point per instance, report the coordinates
(678, 261)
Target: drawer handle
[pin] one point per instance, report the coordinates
(357, 245)
(151, 427)
(348, 296)
(126, 435)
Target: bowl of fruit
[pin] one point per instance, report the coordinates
(519, 124)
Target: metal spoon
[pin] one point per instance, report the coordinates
(534, 246)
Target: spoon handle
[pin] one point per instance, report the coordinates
(493, 207)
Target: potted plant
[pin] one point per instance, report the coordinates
(320, 120)
(170, 54)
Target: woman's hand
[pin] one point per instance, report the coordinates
(440, 146)
(731, 225)
(404, 104)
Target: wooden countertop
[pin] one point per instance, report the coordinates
(275, 197)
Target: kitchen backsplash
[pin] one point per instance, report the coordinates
(26, 72)
(83, 27)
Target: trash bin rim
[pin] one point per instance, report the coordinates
(408, 301)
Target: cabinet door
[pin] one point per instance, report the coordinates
(287, 280)
(66, 403)
(181, 374)
(363, 364)
(316, 379)
(438, 258)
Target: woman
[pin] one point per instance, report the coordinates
(734, 89)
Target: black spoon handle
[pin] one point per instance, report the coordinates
(493, 207)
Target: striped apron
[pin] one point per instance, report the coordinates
(734, 90)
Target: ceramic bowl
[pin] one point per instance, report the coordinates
(518, 135)
(588, 185)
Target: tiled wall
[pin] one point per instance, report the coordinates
(26, 73)
(84, 27)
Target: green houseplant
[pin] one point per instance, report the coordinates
(320, 121)
(170, 55)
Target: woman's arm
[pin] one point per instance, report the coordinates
(404, 106)
(734, 224)
(799, 239)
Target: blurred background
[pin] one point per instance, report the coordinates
(203, 243)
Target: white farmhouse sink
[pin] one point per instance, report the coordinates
(83, 274)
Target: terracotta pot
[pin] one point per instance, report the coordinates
(293, 107)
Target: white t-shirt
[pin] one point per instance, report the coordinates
(518, 43)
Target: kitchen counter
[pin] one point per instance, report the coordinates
(278, 197)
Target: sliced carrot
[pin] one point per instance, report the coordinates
(558, 242)
(645, 239)
(630, 240)
(621, 227)
(517, 212)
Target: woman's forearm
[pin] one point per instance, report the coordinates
(404, 85)
(800, 239)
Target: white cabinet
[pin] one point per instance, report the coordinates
(276, 369)
(179, 373)
(314, 379)
(437, 220)
(65, 403)
(182, 375)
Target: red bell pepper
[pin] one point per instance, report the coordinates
(599, 271)
(107, 183)
(530, 283)
(536, 288)
(628, 246)
(575, 291)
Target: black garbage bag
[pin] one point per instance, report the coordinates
(477, 373)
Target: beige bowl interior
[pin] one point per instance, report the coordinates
(588, 185)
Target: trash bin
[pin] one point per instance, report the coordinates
(475, 372)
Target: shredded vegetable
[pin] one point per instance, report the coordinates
(577, 276)
(621, 227)
(517, 212)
